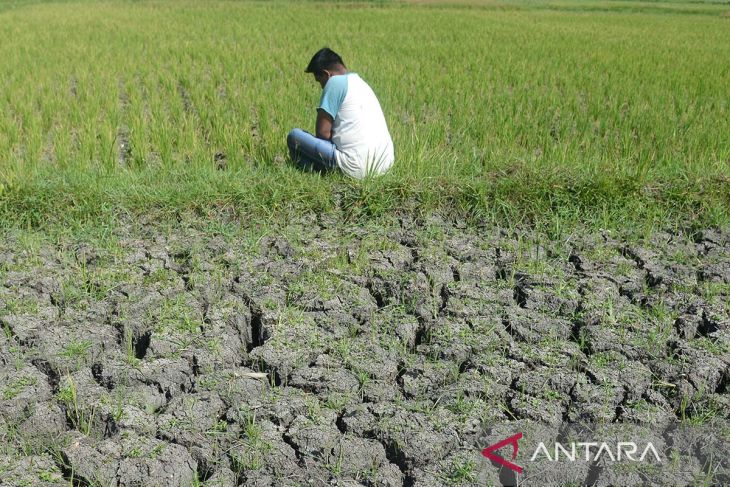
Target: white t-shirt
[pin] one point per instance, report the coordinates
(359, 131)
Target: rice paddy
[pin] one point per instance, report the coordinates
(510, 110)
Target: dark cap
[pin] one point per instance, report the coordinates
(323, 59)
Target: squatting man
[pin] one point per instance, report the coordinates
(351, 133)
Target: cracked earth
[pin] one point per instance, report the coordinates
(323, 354)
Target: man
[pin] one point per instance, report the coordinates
(351, 133)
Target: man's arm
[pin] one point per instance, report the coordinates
(324, 125)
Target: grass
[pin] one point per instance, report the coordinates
(76, 412)
(250, 454)
(16, 387)
(77, 350)
(550, 112)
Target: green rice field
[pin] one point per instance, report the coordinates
(597, 112)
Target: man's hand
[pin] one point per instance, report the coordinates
(324, 125)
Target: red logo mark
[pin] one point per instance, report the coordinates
(512, 440)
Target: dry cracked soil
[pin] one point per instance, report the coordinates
(330, 354)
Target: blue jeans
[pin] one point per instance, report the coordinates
(310, 153)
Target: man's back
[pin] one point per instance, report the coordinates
(359, 131)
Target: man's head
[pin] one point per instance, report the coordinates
(324, 64)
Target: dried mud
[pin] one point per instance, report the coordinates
(342, 355)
